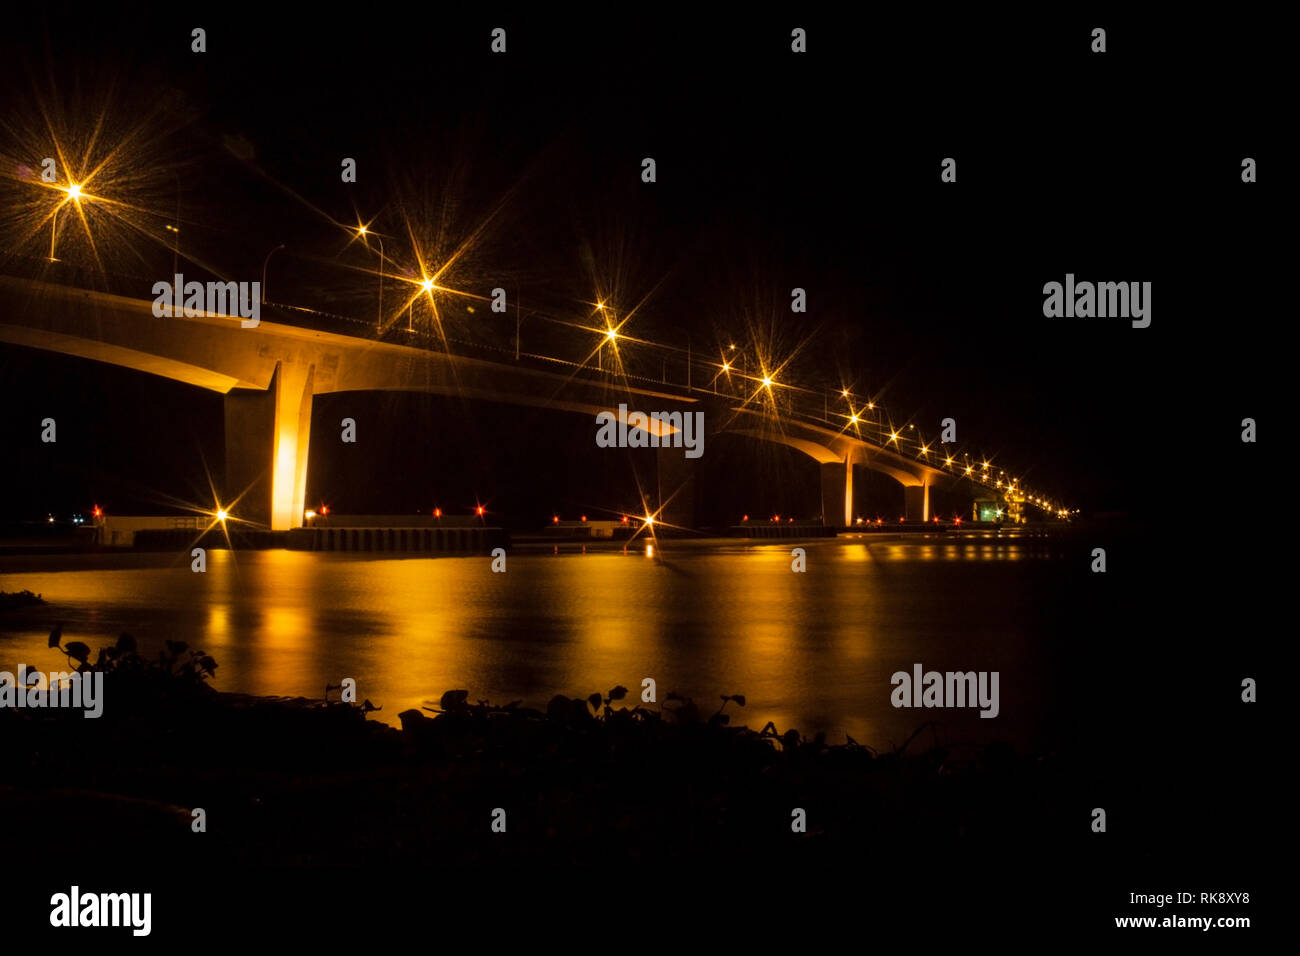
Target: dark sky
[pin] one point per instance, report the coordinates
(774, 171)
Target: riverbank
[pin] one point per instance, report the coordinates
(298, 783)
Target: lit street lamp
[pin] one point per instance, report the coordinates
(266, 263)
(363, 232)
(74, 193)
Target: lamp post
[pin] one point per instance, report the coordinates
(266, 263)
(176, 230)
(176, 238)
(74, 193)
(363, 232)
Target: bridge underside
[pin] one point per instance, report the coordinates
(837, 496)
(268, 429)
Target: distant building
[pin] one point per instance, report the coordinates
(118, 531)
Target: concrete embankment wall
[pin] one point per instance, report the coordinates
(369, 540)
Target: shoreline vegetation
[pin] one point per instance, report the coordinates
(16, 599)
(289, 782)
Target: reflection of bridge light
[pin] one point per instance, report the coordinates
(480, 510)
(437, 512)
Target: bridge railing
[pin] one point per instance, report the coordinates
(629, 361)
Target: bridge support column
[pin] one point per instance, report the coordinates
(837, 493)
(267, 437)
(916, 499)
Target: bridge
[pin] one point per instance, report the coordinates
(270, 373)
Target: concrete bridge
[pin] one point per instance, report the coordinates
(270, 373)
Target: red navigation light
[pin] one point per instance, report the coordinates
(745, 518)
(479, 510)
(900, 520)
(98, 512)
(625, 519)
(324, 509)
(957, 521)
(555, 519)
(776, 517)
(437, 512)
(584, 517)
(790, 520)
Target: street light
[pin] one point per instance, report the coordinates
(363, 232)
(176, 238)
(266, 263)
(74, 193)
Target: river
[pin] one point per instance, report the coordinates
(813, 650)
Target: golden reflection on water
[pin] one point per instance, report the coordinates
(811, 650)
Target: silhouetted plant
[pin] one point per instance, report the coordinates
(720, 717)
(19, 599)
(176, 662)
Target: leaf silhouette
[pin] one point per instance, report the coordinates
(454, 699)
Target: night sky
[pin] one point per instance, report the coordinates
(774, 171)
